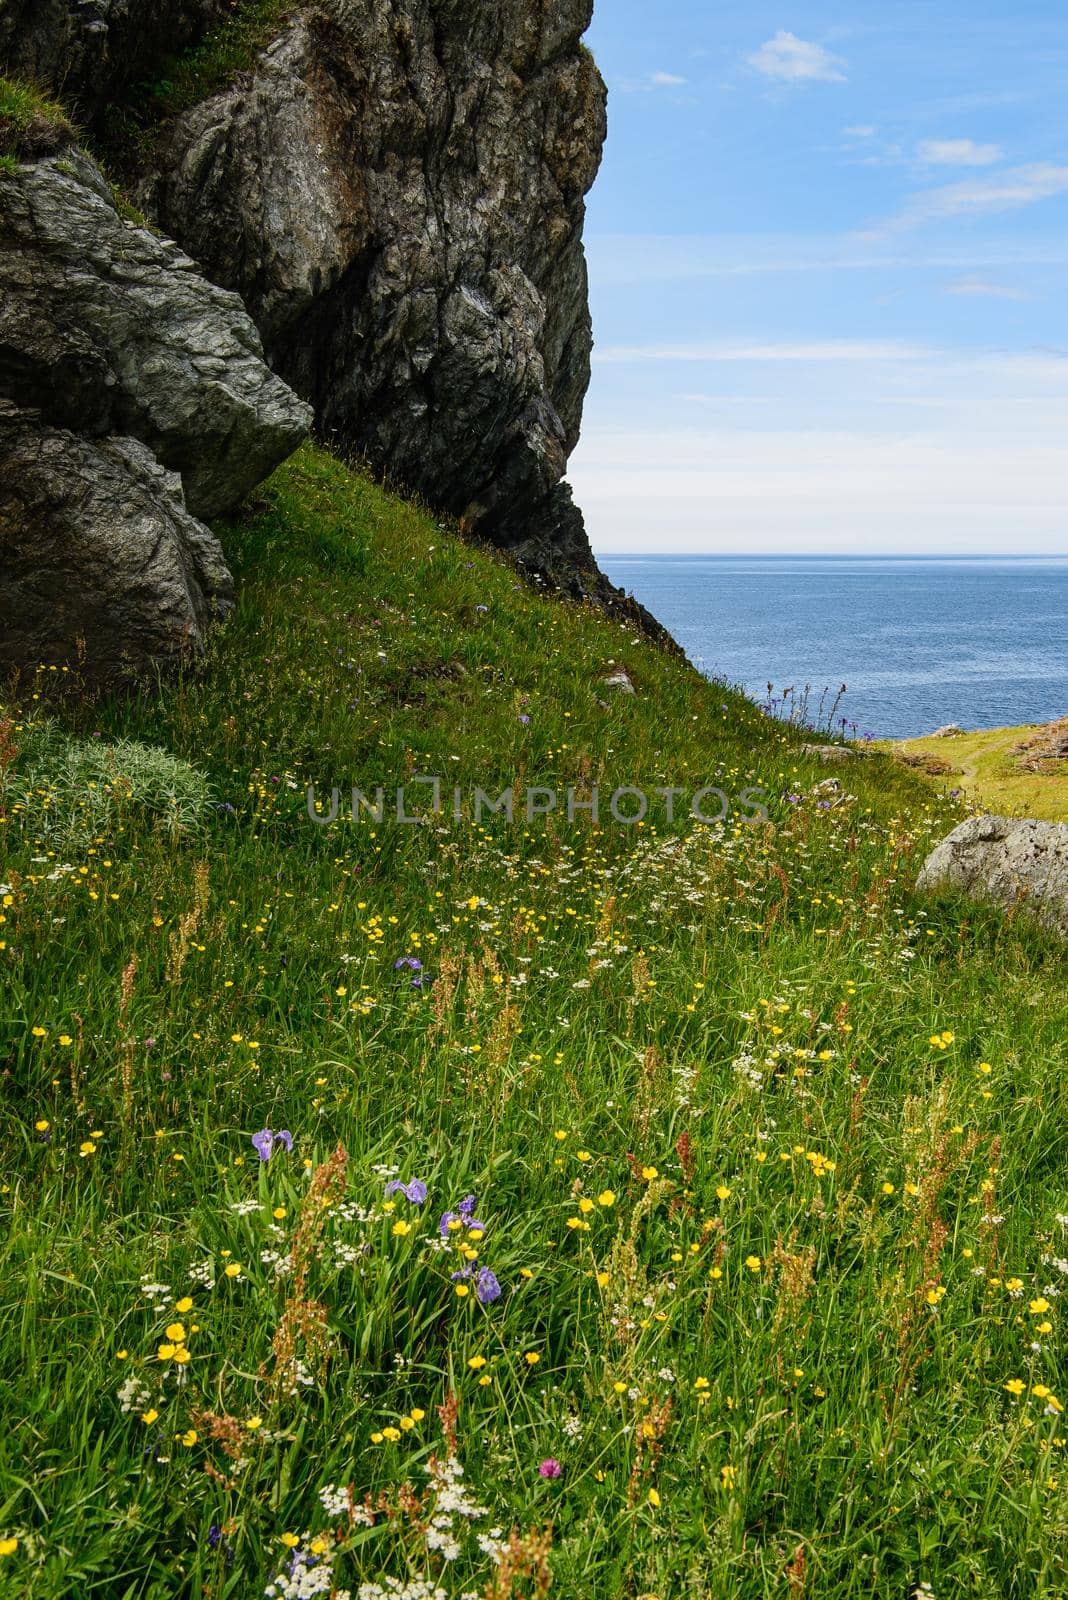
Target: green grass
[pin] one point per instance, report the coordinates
(769, 1153)
(987, 770)
(30, 124)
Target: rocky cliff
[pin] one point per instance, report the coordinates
(393, 188)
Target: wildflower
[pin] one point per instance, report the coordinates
(649, 1173)
(252, 1423)
(602, 1280)
(888, 1188)
(700, 1383)
(727, 1475)
(42, 1125)
(1036, 1307)
(233, 1270)
(462, 1290)
(400, 1228)
(415, 1192)
(290, 1540)
(531, 1358)
(165, 1352)
(722, 1192)
(8, 1546)
(654, 1498)
(264, 1142)
(87, 1148)
(585, 1205)
(582, 1155)
(189, 1438)
(487, 1289)
(184, 1304)
(1016, 1386)
(150, 1416)
(65, 1040)
(176, 1332)
(606, 1198)
(753, 1263)
(476, 1362)
(550, 1467)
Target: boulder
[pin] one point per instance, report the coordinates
(107, 329)
(101, 566)
(1018, 862)
(828, 752)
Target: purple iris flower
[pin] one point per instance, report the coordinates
(487, 1289)
(264, 1142)
(416, 1191)
(411, 962)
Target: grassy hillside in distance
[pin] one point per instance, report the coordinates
(987, 769)
(728, 1250)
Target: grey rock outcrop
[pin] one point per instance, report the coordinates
(101, 565)
(397, 192)
(137, 399)
(106, 329)
(1018, 862)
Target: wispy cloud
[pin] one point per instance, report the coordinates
(795, 60)
(976, 197)
(958, 153)
(986, 287)
(814, 351)
(860, 130)
(653, 80)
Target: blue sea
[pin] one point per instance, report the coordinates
(981, 642)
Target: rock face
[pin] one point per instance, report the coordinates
(397, 192)
(1017, 862)
(101, 565)
(137, 399)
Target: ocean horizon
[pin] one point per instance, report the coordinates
(919, 641)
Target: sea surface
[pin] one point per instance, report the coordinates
(981, 641)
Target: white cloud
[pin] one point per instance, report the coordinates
(986, 287)
(860, 130)
(796, 60)
(666, 80)
(815, 351)
(977, 197)
(654, 80)
(958, 153)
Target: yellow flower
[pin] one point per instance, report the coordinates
(585, 1205)
(181, 1355)
(602, 1280)
(1015, 1386)
(400, 1228)
(1036, 1307)
(476, 1362)
(485, 1378)
(87, 1148)
(376, 1438)
(753, 1263)
(120, 1355)
(727, 1476)
(43, 1125)
(582, 1155)
(606, 1198)
(1044, 1327)
(39, 1033)
(149, 1416)
(416, 1415)
(278, 1213)
(65, 1039)
(722, 1192)
(176, 1332)
(532, 1358)
(407, 1424)
(252, 1423)
(654, 1498)
(290, 1540)
(700, 1383)
(189, 1438)
(619, 1387)
(888, 1188)
(560, 1134)
(392, 1434)
(234, 1269)
(165, 1352)
(984, 1066)
(8, 1546)
(716, 1272)
(649, 1173)
(461, 1290)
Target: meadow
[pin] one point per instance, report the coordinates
(464, 1210)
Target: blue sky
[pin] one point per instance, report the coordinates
(827, 252)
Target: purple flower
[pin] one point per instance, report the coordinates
(487, 1289)
(523, 717)
(415, 1191)
(411, 962)
(447, 1219)
(264, 1142)
(550, 1467)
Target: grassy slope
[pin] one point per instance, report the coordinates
(768, 1232)
(990, 777)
